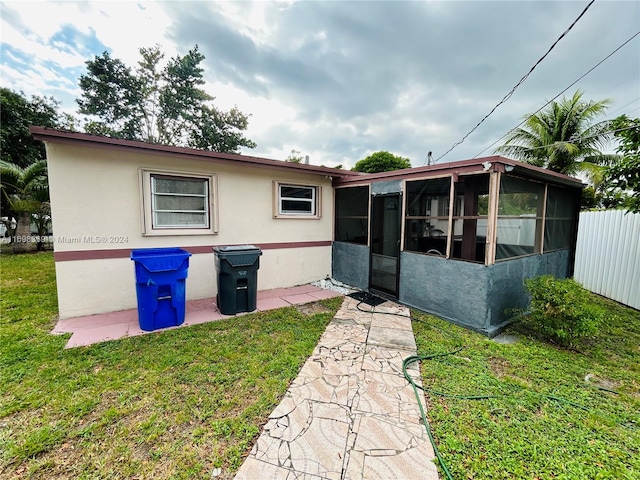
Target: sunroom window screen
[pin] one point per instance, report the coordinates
(560, 218)
(297, 200)
(519, 217)
(352, 215)
(180, 202)
(427, 219)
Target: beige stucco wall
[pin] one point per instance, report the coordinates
(96, 192)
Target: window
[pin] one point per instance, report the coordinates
(177, 203)
(428, 228)
(352, 218)
(300, 201)
(519, 217)
(427, 220)
(470, 217)
(562, 205)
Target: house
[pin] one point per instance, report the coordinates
(109, 196)
(455, 239)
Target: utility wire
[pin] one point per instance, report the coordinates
(567, 88)
(625, 105)
(508, 95)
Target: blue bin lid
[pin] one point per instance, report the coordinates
(160, 259)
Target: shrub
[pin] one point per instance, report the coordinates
(562, 310)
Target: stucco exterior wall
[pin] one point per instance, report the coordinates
(96, 210)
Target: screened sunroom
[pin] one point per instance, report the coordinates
(456, 240)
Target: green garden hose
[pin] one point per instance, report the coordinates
(417, 358)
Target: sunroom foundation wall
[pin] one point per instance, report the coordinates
(473, 295)
(350, 264)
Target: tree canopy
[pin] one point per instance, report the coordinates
(158, 104)
(563, 137)
(17, 112)
(23, 168)
(622, 178)
(294, 157)
(381, 161)
(24, 189)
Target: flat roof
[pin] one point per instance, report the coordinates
(47, 134)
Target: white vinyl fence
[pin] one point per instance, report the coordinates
(608, 255)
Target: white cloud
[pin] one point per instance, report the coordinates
(338, 80)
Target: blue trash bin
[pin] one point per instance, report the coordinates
(160, 286)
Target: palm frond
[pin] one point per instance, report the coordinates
(561, 135)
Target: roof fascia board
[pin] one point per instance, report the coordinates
(60, 136)
(463, 167)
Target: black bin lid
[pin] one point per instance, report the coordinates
(237, 250)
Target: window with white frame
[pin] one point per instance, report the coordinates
(297, 200)
(176, 203)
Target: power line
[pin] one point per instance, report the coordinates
(508, 95)
(625, 105)
(563, 91)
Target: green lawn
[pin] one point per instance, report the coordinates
(182, 403)
(545, 421)
(175, 404)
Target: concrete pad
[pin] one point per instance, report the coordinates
(299, 299)
(252, 469)
(100, 334)
(505, 338)
(90, 329)
(323, 294)
(202, 304)
(391, 321)
(392, 338)
(70, 325)
(318, 451)
(271, 304)
(201, 316)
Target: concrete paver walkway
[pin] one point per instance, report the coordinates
(350, 414)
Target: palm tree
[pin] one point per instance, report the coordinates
(563, 138)
(24, 188)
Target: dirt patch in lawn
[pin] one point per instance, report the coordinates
(312, 308)
(499, 366)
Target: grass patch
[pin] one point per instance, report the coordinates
(175, 404)
(535, 426)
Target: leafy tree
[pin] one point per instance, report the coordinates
(563, 138)
(622, 178)
(381, 161)
(25, 189)
(17, 112)
(589, 199)
(294, 157)
(158, 104)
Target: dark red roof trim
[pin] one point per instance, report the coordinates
(126, 252)
(475, 165)
(63, 136)
(340, 177)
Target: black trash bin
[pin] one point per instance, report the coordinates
(237, 269)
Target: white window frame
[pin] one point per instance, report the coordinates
(147, 202)
(314, 201)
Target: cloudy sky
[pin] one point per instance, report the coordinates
(338, 80)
